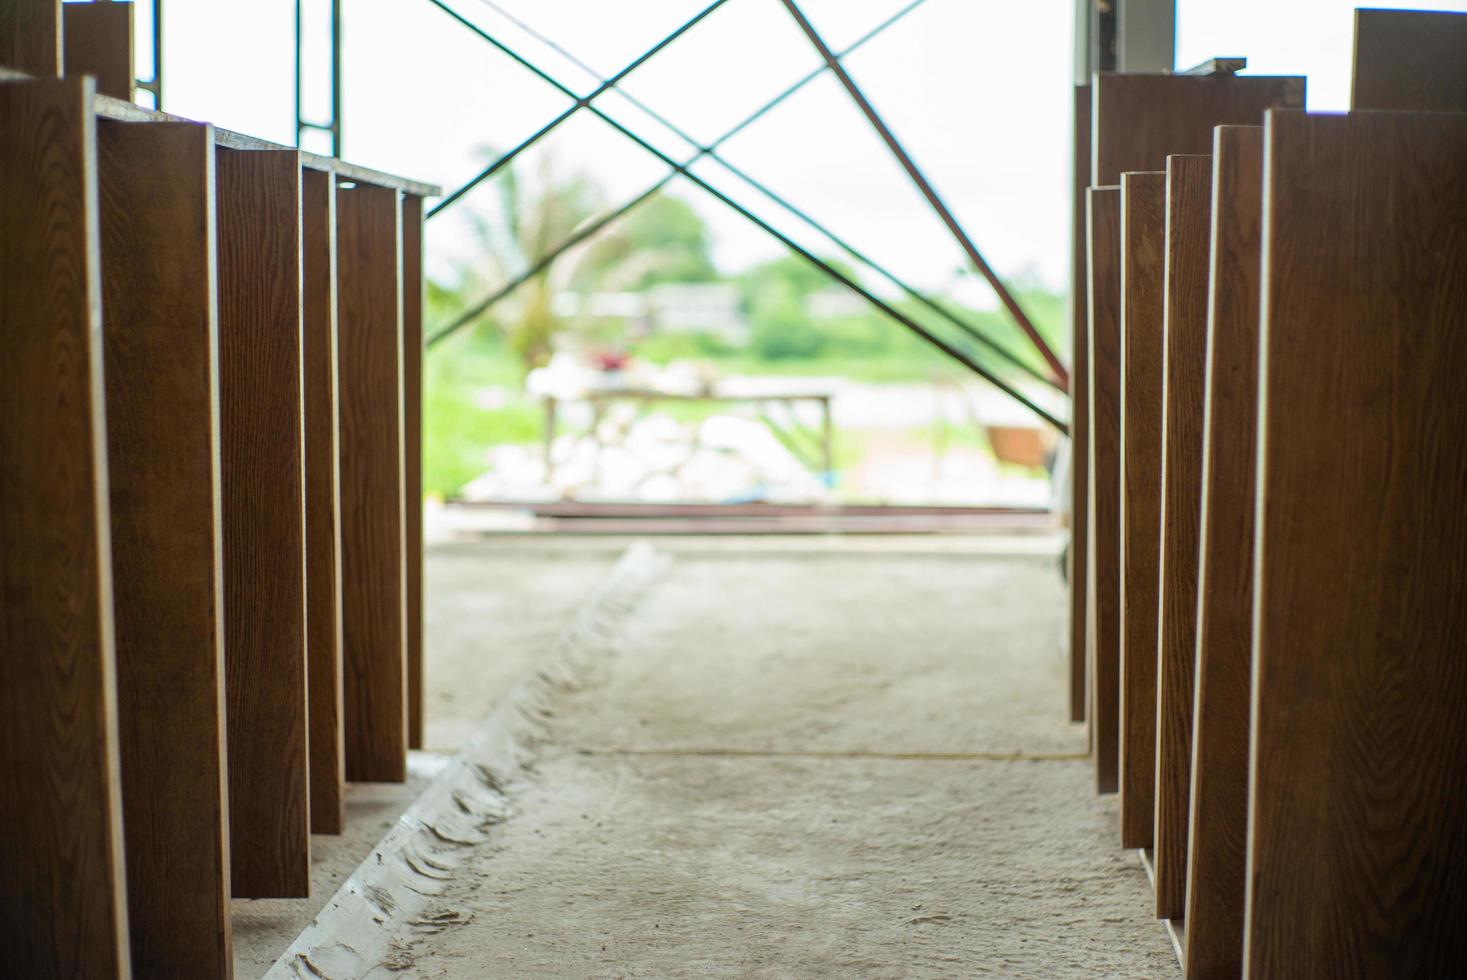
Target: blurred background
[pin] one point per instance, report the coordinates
(681, 354)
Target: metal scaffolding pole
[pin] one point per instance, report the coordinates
(930, 193)
(333, 125)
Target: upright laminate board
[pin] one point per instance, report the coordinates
(97, 40)
(1103, 633)
(1079, 409)
(373, 534)
(1357, 852)
(412, 411)
(1143, 260)
(259, 215)
(62, 904)
(1141, 119)
(1410, 59)
(323, 501)
(30, 36)
(161, 347)
(1219, 794)
(1188, 228)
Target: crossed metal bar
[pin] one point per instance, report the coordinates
(928, 191)
(580, 103)
(711, 153)
(955, 353)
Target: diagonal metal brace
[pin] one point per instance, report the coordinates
(930, 193)
(581, 102)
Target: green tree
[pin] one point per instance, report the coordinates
(661, 240)
(532, 218)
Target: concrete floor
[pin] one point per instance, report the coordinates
(822, 759)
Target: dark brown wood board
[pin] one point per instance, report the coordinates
(259, 244)
(373, 566)
(1188, 230)
(97, 41)
(1143, 260)
(63, 908)
(1141, 119)
(1357, 851)
(1103, 633)
(161, 346)
(323, 501)
(30, 36)
(1079, 408)
(1410, 59)
(1219, 779)
(412, 412)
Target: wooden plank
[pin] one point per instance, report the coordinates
(1143, 257)
(62, 906)
(373, 568)
(1357, 851)
(1219, 802)
(97, 40)
(412, 409)
(1079, 408)
(1410, 59)
(259, 214)
(1103, 620)
(30, 36)
(1188, 227)
(161, 345)
(1141, 119)
(323, 500)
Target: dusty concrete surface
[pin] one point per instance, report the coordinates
(813, 764)
(263, 928)
(490, 612)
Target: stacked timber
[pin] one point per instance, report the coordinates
(1273, 606)
(209, 551)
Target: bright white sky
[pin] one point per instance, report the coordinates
(979, 90)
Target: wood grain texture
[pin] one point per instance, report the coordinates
(62, 903)
(97, 41)
(161, 344)
(1357, 856)
(1079, 408)
(373, 567)
(1219, 784)
(1143, 259)
(1410, 59)
(30, 36)
(1103, 620)
(323, 500)
(1141, 119)
(1188, 230)
(259, 215)
(412, 411)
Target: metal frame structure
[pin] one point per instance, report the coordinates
(155, 84)
(929, 192)
(711, 153)
(581, 102)
(1057, 378)
(332, 125)
(831, 271)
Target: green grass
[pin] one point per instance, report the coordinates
(457, 432)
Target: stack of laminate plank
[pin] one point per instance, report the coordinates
(210, 538)
(1270, 634)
